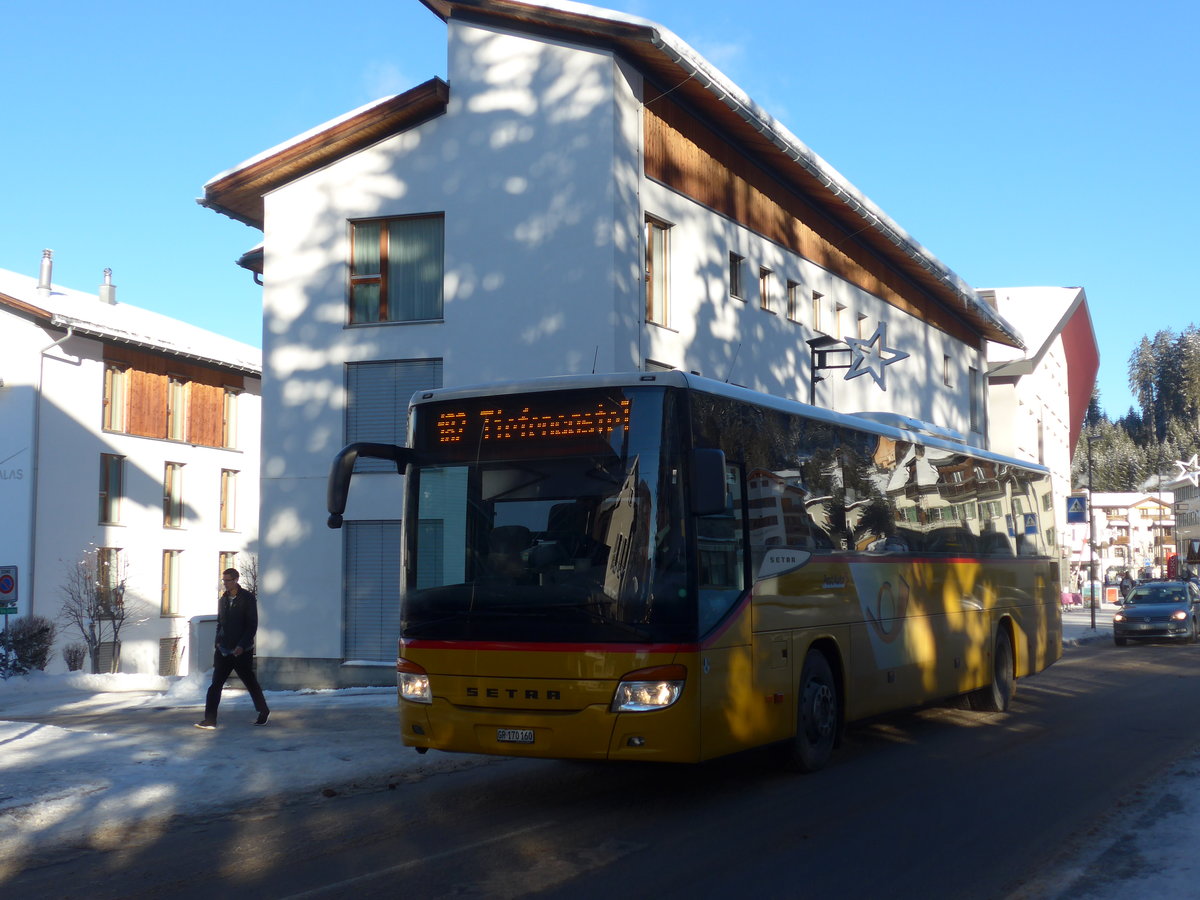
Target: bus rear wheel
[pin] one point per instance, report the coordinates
(816, 715)
(996, 696)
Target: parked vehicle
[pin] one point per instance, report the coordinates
(1164, 610)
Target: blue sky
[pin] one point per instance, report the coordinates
(1032, 142)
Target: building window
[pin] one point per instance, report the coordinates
(371, 607)
(817, 297)
(736, 264)
(229, 418)
(228, 500)
(177, 408)
(793, 301)
(226, 559)
(657, 249)
(110, 580)
(173, 495)
(947, 380)
(764, 288)
(377, 395)
(170, 582)
(839, 322)
(973, 387)
(860, 327)
(116, 398)
(396, 269)
(112, 474)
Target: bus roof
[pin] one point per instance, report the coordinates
(921, 433)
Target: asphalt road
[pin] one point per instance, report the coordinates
(939, 803)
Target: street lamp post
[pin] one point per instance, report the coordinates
(1091, 534)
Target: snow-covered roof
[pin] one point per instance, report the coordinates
(86, 314)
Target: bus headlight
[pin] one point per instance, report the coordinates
(645, 690)
(412, 682)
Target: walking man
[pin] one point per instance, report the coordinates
(237, 622)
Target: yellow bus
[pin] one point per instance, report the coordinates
(657, 566)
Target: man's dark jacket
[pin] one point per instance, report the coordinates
(237, 621)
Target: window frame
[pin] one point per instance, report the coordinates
(228, 502)
(793, 300)
(229, 417)
(112, 490)
(116, 398)
(737, 287)
(657, 271)
(169, 603)
(764, 289)
(108, 579)
(173, 511)
(178, 397)
(380, 276)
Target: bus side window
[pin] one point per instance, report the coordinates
(721, 554)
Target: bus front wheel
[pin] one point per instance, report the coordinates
(817, 714)
(996, 696)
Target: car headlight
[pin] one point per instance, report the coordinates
(1119, 617)
(1179, 615)
(646, 690)
(412, 682)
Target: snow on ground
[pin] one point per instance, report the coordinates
(87, 759)
(82, 756)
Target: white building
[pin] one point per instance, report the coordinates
(1135, 532)
(585, 193)
(132, 440)
(1038, 399)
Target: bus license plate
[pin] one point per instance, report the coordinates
(514, 735)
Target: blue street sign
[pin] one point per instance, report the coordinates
(1077, 508)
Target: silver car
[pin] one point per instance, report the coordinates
(1158, 610)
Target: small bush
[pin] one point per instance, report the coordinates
(26, 645)
(74, 655)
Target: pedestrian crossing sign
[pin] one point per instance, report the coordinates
(1077, 508)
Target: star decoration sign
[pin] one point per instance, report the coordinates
(1190, 470)
(872, 356)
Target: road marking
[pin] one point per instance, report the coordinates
(392, 870)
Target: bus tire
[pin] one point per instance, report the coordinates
(817, 714)
(996, 696)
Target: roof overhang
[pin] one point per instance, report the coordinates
(239, 192)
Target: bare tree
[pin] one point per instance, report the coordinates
(249, 572)
(93, 591)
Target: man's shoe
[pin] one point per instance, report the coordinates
(207, 724)
(262, 718)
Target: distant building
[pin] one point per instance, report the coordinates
(1135, 532)
(1037, 399)
(585, 194)
(132, 440)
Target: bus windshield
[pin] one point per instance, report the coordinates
(551, 517)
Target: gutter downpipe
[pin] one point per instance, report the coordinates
(31, 577)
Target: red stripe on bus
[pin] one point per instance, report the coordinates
(423, 644)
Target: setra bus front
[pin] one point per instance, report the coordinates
(547, 607)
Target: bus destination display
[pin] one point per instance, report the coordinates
(552, 422)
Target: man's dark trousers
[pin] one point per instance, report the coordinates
(222, 666)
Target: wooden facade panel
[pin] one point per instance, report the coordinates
(688, 157)
(147, 403)
(205, 413)
(148, 375)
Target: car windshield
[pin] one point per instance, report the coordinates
(1157, 594)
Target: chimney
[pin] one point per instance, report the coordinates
(108, 290)
(43, 287)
